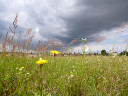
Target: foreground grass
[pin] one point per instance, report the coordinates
(73, 76)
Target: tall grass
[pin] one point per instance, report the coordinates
(67, 76)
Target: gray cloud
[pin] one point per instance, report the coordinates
(64, 20)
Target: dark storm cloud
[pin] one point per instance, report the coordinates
(81, 19)
(95, 17)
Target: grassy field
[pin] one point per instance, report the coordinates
(62, 76)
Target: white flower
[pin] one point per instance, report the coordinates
(40, 58)
(72, 76)
(20, 69)
(17, 68)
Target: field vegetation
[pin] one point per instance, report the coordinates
(56, 74)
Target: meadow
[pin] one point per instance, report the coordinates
(59, 76)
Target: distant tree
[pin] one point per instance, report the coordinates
(126, 53)
(95, 54)
(123, 53)
(103, 52)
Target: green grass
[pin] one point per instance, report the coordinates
(64, 76)
(92, 76)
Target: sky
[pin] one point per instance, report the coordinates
(66, 20)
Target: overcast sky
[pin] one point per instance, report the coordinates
(67, 20)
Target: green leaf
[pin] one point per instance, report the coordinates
(48, 94)
(35, 94)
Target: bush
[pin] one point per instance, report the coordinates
(103, 52)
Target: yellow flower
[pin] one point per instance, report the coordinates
(41, 61)
(55, 52)
(22, 67)
(6, 54)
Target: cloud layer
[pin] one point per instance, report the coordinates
(66, 20)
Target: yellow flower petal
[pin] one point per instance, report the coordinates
(42, 61)
(55, 52)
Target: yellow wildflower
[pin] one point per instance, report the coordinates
(55, 52)
(41, 61)
(28, 73)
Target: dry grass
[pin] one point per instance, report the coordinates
(39, 48)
